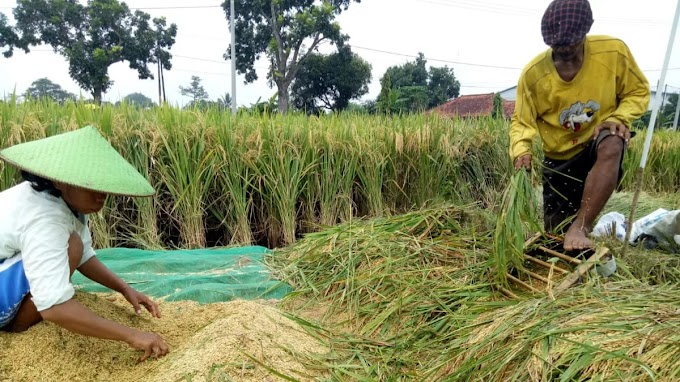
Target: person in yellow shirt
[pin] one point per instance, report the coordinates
(580, 96)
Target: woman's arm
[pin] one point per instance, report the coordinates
(76, 318)
(96, 271)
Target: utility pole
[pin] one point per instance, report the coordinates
(677, 113)
(158, 60)
(233, 59)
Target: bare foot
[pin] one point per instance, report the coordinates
(576, 238)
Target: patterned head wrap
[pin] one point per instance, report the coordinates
(566, 22)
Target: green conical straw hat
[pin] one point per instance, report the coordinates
(81, 158)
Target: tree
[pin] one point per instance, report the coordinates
(195, 90)
(224, 102)
(442, 85)
(664, 118)
(165, 38)
(409, 74)
(93, 37)
(287, 32)
(412, 88)
(139, 100)
(8, 38)
(44, 88)
(329, 82)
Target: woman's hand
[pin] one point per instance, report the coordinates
(150, 343)
(75, 317)
(137, 299)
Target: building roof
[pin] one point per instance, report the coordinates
(473, 105)
(508, 108)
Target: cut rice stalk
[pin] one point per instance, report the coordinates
(519, 216)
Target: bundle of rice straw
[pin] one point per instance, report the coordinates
(623, 331)
(518, 215)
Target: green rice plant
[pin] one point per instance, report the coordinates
(662, 173)
(140, 226)
(518, 216)
(282, 171)
(336, 172)
(185, 162)
(236, 174)
(332, 168)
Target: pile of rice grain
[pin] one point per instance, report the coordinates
(208, 342)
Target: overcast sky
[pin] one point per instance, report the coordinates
(487, 42)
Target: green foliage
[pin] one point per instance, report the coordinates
(497, 106)
(329, 82)
(387, 100)
(286, 32)
(138, 99)
(224, 101)
(442, 85)
(664, 119)
(411, 88)
(8, 37)
(44, 88)
(95, 36)
(195, 90)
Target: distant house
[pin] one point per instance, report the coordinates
(510, 94)
(473, 105)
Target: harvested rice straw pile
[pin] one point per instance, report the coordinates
(622, 331)
(207, 342)
(519, 214)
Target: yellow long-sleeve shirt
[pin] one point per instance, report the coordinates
(609, 87)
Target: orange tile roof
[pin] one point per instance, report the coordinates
(473, 105)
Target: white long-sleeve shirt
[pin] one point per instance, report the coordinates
(37, 226)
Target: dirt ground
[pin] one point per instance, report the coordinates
(239, 340)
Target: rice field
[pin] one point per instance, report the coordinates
(387, 228)
(254, 179)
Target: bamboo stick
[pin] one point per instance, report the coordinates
(547, 265)
(522, 283)
(560, 255)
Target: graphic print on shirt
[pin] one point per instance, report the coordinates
(578, 115)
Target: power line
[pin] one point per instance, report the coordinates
(436, 59)
(163, 7)
(373, 50)
(511, 9)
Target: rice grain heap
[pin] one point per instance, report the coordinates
(244, 340)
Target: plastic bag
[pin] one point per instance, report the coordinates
(661, 224)
(610, 222)
(661, 227)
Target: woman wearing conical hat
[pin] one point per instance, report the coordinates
(44, 236)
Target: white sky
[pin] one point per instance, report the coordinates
(491, 33)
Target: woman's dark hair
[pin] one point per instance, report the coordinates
(41, 184)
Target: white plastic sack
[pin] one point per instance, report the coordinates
(610, 222)
(662, 225)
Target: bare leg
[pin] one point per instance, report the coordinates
(28, 315)
(599, 186)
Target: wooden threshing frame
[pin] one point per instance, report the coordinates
(542, 275)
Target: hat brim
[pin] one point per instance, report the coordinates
(81, 158)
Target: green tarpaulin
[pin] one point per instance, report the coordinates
(203, 275)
